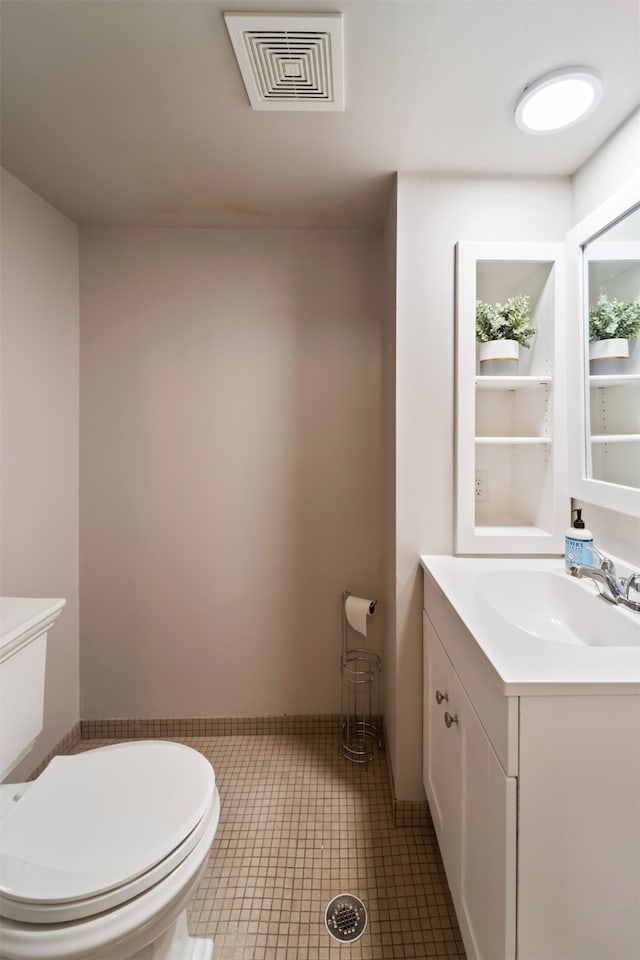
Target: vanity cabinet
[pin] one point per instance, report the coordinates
(441, 748)
(535, 799)
(473, 807)
(510, 430)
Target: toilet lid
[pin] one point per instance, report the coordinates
(96, 821)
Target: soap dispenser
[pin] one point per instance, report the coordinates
(578, 543)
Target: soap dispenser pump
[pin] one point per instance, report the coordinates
(578, 543)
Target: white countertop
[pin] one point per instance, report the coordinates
(525, 663)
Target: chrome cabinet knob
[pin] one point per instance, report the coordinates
(440, 697)
(449, 720)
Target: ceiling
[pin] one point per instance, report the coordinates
(134, 112)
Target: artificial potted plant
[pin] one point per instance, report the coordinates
(612, 323)
(501, 329)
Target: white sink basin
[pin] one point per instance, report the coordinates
(542, 631)
(554, 606)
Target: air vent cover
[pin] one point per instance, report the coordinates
(289, 62)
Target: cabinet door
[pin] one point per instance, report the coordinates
(474, 807)
(441, 751)
(579, 828)
(488, 844)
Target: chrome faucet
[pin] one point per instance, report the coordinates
(616, 589)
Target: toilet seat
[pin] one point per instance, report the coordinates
(118, 934)
(98, 829)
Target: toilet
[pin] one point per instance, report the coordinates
(102, 853)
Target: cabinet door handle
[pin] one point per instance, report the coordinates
(449, 720)
(440, 697)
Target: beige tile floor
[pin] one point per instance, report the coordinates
(300, 824)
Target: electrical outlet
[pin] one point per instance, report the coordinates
(482, 486)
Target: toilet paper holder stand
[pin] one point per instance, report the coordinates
(360, 719)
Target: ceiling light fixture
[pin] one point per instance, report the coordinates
(558, 100)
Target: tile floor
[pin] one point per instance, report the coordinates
(300, 824)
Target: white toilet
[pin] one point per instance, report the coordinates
(101, 854)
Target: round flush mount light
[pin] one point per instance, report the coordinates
(558, 100)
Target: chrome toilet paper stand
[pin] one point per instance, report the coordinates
(360, 720)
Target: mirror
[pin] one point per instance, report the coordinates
(604, 253)
(612, 325)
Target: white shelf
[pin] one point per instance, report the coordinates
(598, 380)
(511, 383)
(615, 438)
(511, 528)
(513, 440)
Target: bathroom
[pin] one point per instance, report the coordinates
(219, 416)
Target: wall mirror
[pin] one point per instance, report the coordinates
(604, 395)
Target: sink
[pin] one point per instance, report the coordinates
(553, 606)
(541, 630)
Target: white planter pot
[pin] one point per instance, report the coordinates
(608, 356)
(499, 357)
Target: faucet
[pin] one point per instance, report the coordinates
(616, 589)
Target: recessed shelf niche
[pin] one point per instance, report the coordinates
(511, 430)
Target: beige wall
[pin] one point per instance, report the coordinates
(39, 435)
(232, 452)
(434, 213)
(231, 467)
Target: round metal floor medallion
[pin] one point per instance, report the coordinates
(346, 918)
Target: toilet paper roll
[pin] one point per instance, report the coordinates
(357, 609)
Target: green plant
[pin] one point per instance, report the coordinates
(610, 319)
(504, 321)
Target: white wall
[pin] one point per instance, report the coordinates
(433, 214)
(231, 466)
(39, 436)
(389, 676)
(608, 169)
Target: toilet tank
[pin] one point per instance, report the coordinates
(24, 622)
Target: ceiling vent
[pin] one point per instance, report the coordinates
(289, 62)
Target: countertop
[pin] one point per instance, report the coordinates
(526, 663)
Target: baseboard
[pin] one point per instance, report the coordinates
(113, 729)
(406, 813)
(411, 813)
